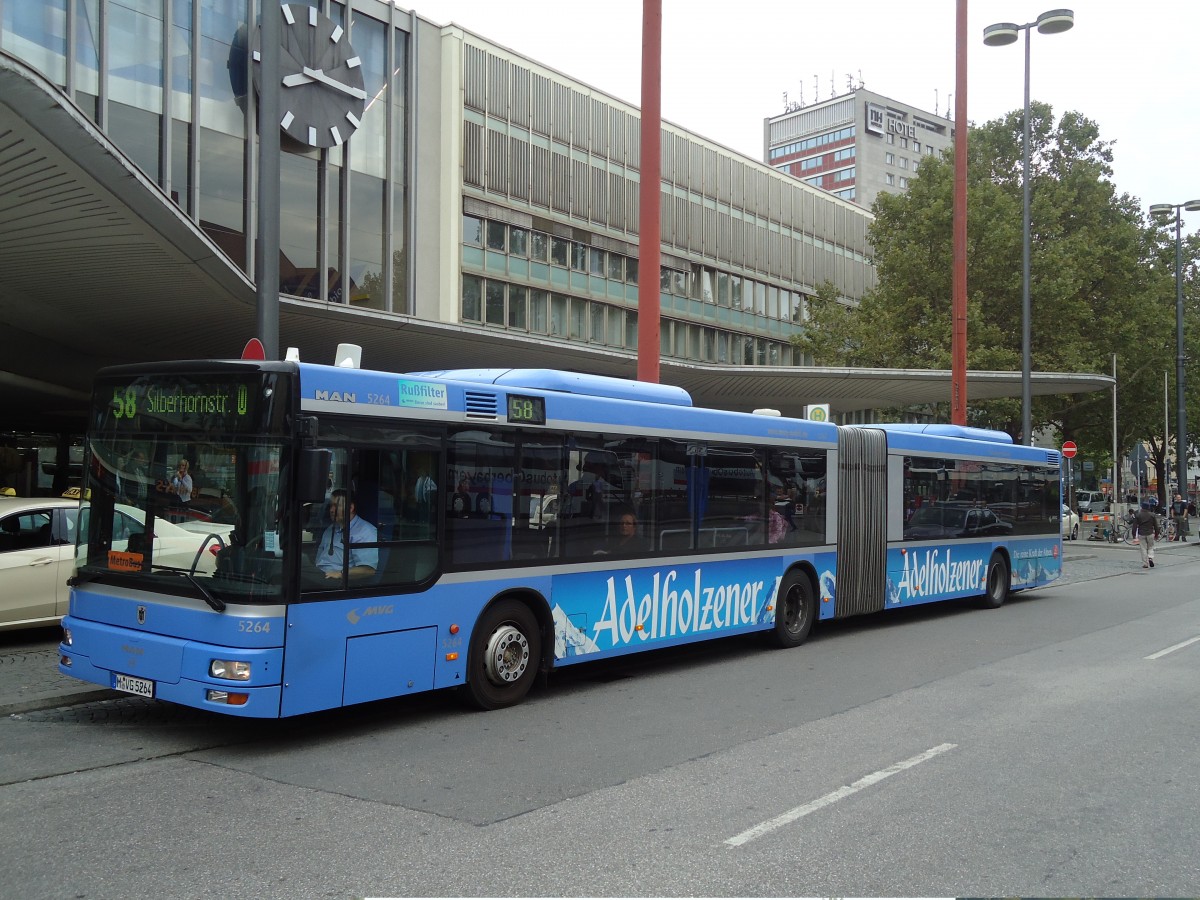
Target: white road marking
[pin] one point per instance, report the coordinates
(845, 791)
(1178, 646)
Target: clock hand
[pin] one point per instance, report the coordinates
(319, 75)
(297, 79)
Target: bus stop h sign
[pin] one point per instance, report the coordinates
(1069, 449)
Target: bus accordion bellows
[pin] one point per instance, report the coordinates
(361, 535)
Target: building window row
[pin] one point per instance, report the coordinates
(820, 140)
(543, 259)
(494, 303)
(824, 159)
(827, 180)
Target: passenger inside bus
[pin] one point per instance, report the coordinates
(627, 537)
(460, 501)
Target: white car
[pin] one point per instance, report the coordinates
(1091, 501)
(543, 510)
(1070, 523)
(37, 553)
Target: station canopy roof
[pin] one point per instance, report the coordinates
(99, 267)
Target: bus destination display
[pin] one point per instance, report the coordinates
(148, 404)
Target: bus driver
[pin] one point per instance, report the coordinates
(363, 560)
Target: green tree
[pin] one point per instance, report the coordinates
(1099, 282)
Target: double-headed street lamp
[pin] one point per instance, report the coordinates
(998, 35)
(1162, 212)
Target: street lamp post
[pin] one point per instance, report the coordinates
(1002, 33)
(1162, 212)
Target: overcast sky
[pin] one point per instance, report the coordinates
(727, 66)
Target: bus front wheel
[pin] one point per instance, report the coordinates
(997, 583)
(795, 609)
(506, 650)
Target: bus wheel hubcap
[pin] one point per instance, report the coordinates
(507, 655)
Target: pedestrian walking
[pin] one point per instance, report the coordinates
(1148, 532)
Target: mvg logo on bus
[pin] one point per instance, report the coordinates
(355, 617)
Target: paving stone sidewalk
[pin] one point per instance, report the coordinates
(29, 679)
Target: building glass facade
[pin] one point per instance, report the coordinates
(528, 213)
(169, 82)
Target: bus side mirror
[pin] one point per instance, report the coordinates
(314, 475)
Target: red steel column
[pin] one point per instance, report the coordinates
(958, 401)
(650, 228)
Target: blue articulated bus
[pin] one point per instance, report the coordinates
(350, 535)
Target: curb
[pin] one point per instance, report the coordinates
(67, 699)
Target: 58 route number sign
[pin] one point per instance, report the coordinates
(1069, 449)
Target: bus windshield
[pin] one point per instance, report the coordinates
(183, 513)
(183, 487)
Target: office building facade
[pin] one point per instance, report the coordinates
(857, 145)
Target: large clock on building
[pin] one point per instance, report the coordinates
(321, 94)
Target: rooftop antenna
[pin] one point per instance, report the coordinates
(849, 83)
(949, 97)
(936, 108)
(816, 88)
(802, 93)
(861, 84)
(832, 85)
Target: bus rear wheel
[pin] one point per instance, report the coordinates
(795, 609)
(997, 583)
(506, 651)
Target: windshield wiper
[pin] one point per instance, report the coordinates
(215, 602)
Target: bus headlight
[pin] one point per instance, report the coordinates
(68, 638)
(230, 669)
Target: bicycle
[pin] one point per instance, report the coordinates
(1115, 533)
(1170, 530)
(1129, 533)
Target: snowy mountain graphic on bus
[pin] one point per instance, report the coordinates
(1036, 570)
(893, 592)
(828, 587)
(766, 614)
(569, 640)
